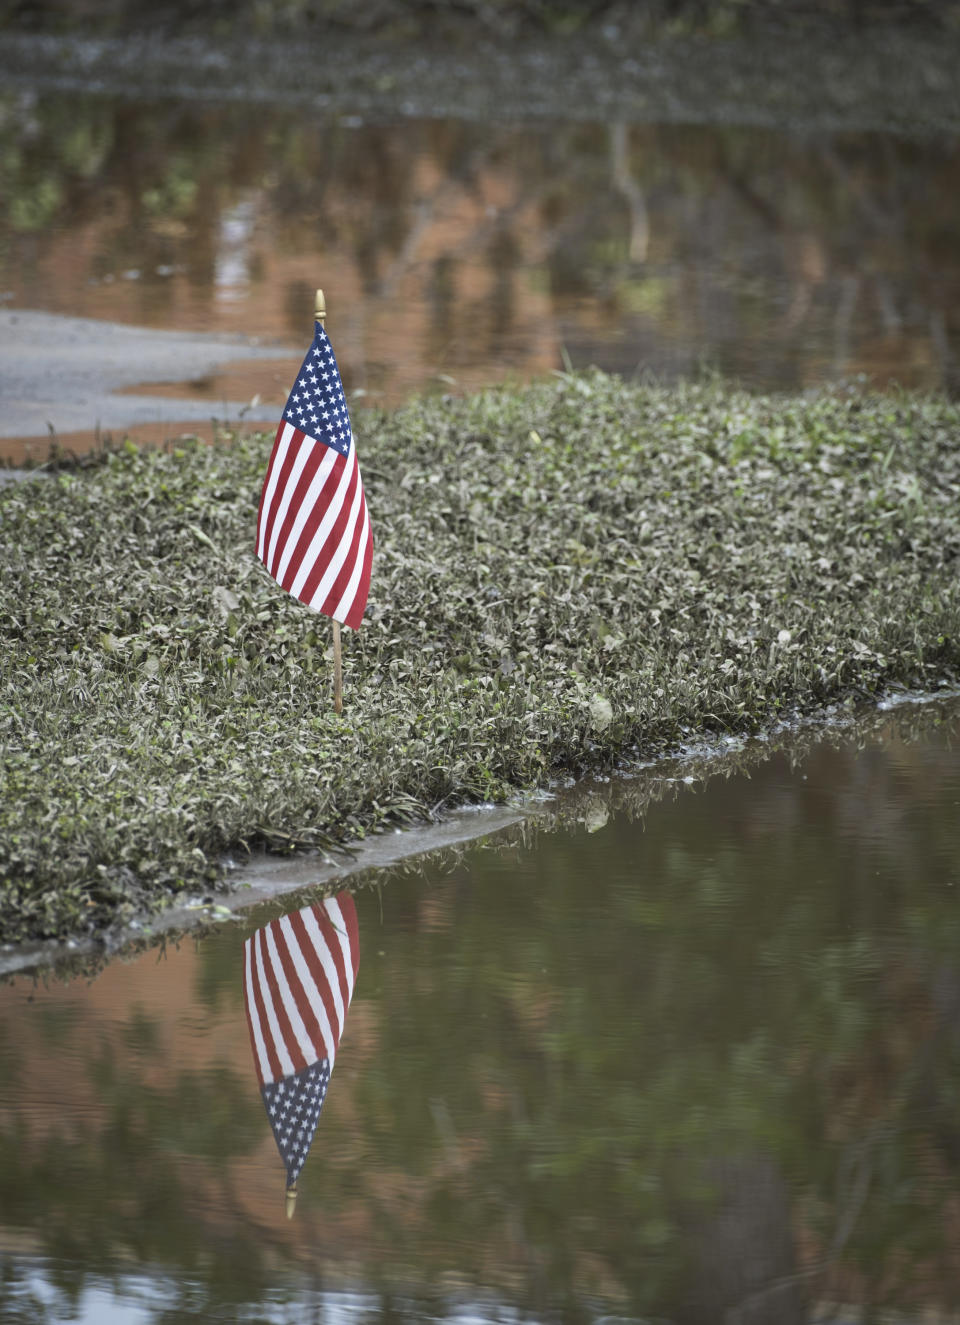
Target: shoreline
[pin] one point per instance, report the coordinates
(264, 879)
(880, 78)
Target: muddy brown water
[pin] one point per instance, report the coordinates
(695, 1066)
(458, 254)
(701, 1065)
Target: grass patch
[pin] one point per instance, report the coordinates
(564, 575)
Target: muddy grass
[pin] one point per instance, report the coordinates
(566, 576)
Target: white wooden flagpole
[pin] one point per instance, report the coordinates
(337, 670)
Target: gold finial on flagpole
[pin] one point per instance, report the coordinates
(320, 308)
(291, 1200)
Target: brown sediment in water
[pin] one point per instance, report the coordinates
(455, 254)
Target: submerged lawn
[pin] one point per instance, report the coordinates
(563, 575)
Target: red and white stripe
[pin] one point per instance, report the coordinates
(298, 978)
(313, 530)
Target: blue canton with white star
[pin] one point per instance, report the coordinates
(293, 1106)
(317, 405)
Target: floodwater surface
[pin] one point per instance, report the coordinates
(457, 254)
(694, 1067)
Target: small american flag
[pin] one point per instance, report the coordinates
(298, 978)
(313, 530)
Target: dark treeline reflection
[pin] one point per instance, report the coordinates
(706, 1066)
(469, 250)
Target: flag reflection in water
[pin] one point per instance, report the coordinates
(298, 977)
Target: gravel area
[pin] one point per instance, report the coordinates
(62, 372)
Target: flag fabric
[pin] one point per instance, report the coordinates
(313, 529)
(298, 979)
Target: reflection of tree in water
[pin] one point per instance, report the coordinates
(780, 259)
(154, 1160)
(765, 254)
(752, 1050)
(726, 1079)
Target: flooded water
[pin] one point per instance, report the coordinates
(699, 1067)
(458, 254)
